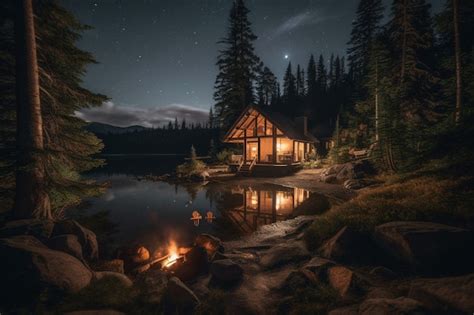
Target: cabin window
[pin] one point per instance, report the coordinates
(269, 131)
(266, 150)
(260, 126)
(279, 132)
(284, 150)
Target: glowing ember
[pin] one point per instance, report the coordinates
(173, 255)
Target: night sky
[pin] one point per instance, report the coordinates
(157, 57)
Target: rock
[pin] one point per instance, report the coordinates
(332, 170)
(349, 246)
(119, 277)
(298, 279)
(445, 294)
(401, 305)
(282, 254)
(342, 280)
(202, 176)
(354, 184)
(180, 297)
(225, 271)
(381, 293)
(115, 265)
(87, 238)
(383, 272)
(67, 243)
(25, 260)
(133, 256)
(211, 243)
(40, 229)
(318, 265)
(95, 312)
(196, 264)
(328, 179)
(427, 247)
(347, 310)
(315, 204)
(152, 285)
(347, 172)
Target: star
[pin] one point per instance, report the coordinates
(287, 56)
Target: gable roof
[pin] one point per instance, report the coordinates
(286, 125)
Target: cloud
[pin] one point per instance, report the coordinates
(301, 19)
(124, 116)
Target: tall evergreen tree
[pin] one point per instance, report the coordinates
(68, 147)
(266, 87)
(289, 91)
(322, 77)
(237, 67)
(365, 28)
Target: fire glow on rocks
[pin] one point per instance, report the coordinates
(174, 255)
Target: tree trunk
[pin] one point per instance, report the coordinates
(31, 199)
(457, 53)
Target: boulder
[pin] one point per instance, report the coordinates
(133, 256)
(40, 229)
(87, 238)
(282, 254)
(348, 171)
(180, 298)
(225, 271)
(196, 264)
(354, 184)
(383, 273)
(349, 246)
(115, 265)
(298, 279)
(427, 247)
(319, 266)
(332, 170)
(446, 295)
(381, 293)
(202, 176)
(67, 243)
(401, 305)
(25, 260)
(328, 179)
(118, 277)
(343, 280)
(152, 285)
(211, 243)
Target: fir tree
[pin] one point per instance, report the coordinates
(365, 28)
(183, 124)
(289, 91)
(237, 67)
(266, 87)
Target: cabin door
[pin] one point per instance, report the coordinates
(252, 150)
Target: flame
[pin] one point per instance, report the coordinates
(173, 255)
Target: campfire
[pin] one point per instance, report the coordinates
(174, 257)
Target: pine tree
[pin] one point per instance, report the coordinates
(68, 147)
(211, 119)
(311, 77)
(322, 77)
(176, 125)
(266, 87)
(365, 28)
(237, 67)
(183, 124)
(289, 91)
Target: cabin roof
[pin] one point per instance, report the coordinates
(286, 125)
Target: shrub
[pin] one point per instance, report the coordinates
(224, 156)
(191, 167)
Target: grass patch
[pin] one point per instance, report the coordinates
(422, 198)
(315, 300)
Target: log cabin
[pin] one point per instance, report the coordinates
(272, 144)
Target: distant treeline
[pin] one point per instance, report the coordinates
(161, 141)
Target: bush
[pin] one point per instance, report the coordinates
(191, 167)
(225, 156)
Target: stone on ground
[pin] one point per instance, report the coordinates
(226, 271)
(41, 229)
(115, 265)
(211, 243)
(152, 285)
(87, 238)
(118, 277)
(343, 280)
(319, 265)
(28, 267)
(349, 246)
(299, 279)
(427, 247)
(401, 305)
(281, 254)
(67, 243)
(180, 296)
(445, 294)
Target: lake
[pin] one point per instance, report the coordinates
(151, 213)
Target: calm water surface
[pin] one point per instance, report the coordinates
(139, 211)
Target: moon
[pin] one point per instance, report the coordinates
(287, 56)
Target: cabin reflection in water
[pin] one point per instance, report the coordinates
(264, 206)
